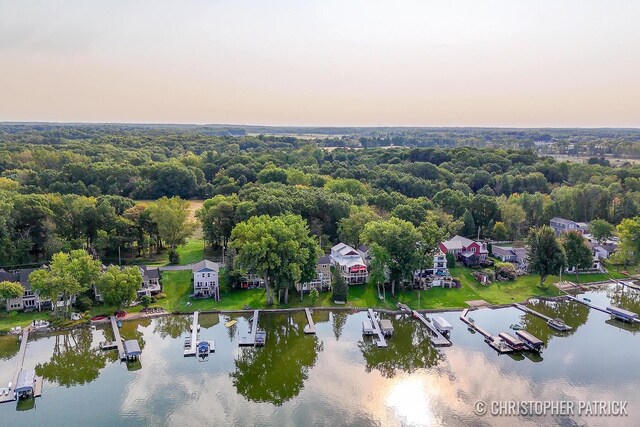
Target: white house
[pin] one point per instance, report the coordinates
(561, 225)
(29, 300)
(205, 280)
(351, 264)
(150, 281)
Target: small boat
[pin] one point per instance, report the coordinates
(586, 299)
(40, 324)
(94, 318)
(516, 326)
(119, 323)
(471, 320)
(203, 348)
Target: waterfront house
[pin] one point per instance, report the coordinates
(322, 281)
(205, 280)
(561, 225)
(349, 263)
(466, 250)
(518, 256)
(150, 281)
(29, 301)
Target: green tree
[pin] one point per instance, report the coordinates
(629, 234)
(469, 228)
(500, 231)
(68, 275)
(119, 286)
(218, 217)
(546, 255)
(577, 251)
(279, 249)
(314, 295)
(601, 230)
(9, 290)
(513, 218)
(399, 239)
(339, 286)
(350, 228)
(172, 217)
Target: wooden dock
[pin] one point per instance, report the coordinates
(628, 284)
(495, 342)
(118, 339)
(597, 307)
(552, 323)
(436, 337)
(380, 341)
(37, 392)
(472, 325)
(193, 344)
(310, 328)
(250, 340)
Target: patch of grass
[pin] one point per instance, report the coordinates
(15, 318)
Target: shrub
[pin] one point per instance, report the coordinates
(146, 301)
(451, 260)
(505, 271)
(174, 257)
(83, 303)
(314, 295)
(161, 295)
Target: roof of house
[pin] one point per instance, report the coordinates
(503, 250)
(457, 242)
(568, 221)
(25, 381)
(363, 248)
(9, 276)
(150, 273)
(521, 252)
(132, 348)
(344, 249)
(24, 277)
(325, 259)
(204, 265)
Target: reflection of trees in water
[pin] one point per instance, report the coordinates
(73, 362)
(572, 313)
(623, 297)
(276, 372)
(408, 350)
(171, 326)
(130, 331)
(208, 320)
(9, 347)
(339, 319)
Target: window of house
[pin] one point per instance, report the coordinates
(473, 249)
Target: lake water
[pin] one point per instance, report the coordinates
(335, 378)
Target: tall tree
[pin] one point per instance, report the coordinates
(546, 255)
(174, 226)
(350, 228)
(119, 286)
(578, 253)
(9, 290)
(399, 239)
(469, 228)
(279, 249)
(68, 275)
(218, 217)
(339, 286)
(629, 233)
(601, 230)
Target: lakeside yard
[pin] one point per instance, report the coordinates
(177, 287)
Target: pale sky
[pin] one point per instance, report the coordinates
(322, 62)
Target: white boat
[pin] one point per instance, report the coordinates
(367, 327)
(40, 324)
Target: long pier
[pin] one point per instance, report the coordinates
(498, 343)
(37, 392)
(437, 339)
(118, 339)
(310, 328)
(553, 323)
(191, 349)
(597, 307)
(628, 284)
(381, 341)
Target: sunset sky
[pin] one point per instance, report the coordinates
(313, 62)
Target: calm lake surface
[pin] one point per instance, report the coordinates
(335, 378)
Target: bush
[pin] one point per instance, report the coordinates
(83, 303)
(451, 260)
(174, 257)
(505, 271)
(161, 295)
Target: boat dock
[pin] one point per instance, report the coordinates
(37, 387)
(380, 341)
(118, 339)
(310, 328)
(557, 324)
(611, 311)
(256, 337)
(472, 325)
(628, 284)
(436, 337)
(190, 350)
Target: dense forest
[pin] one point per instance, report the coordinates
(70, 186)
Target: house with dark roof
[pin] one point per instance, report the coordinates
(518, 256)
(205, 279)
(349, 262)
(150, 281)
(322, 281)
(562, 225)
(29, 300)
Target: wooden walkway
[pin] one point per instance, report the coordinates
(437, 339)
(21, 355)
(118, 339)
(553, 323)
(381, 341)
(597, 307)
(191, 350)
(628, 284)
(250, 340)
(494, 342)
(310, 328)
